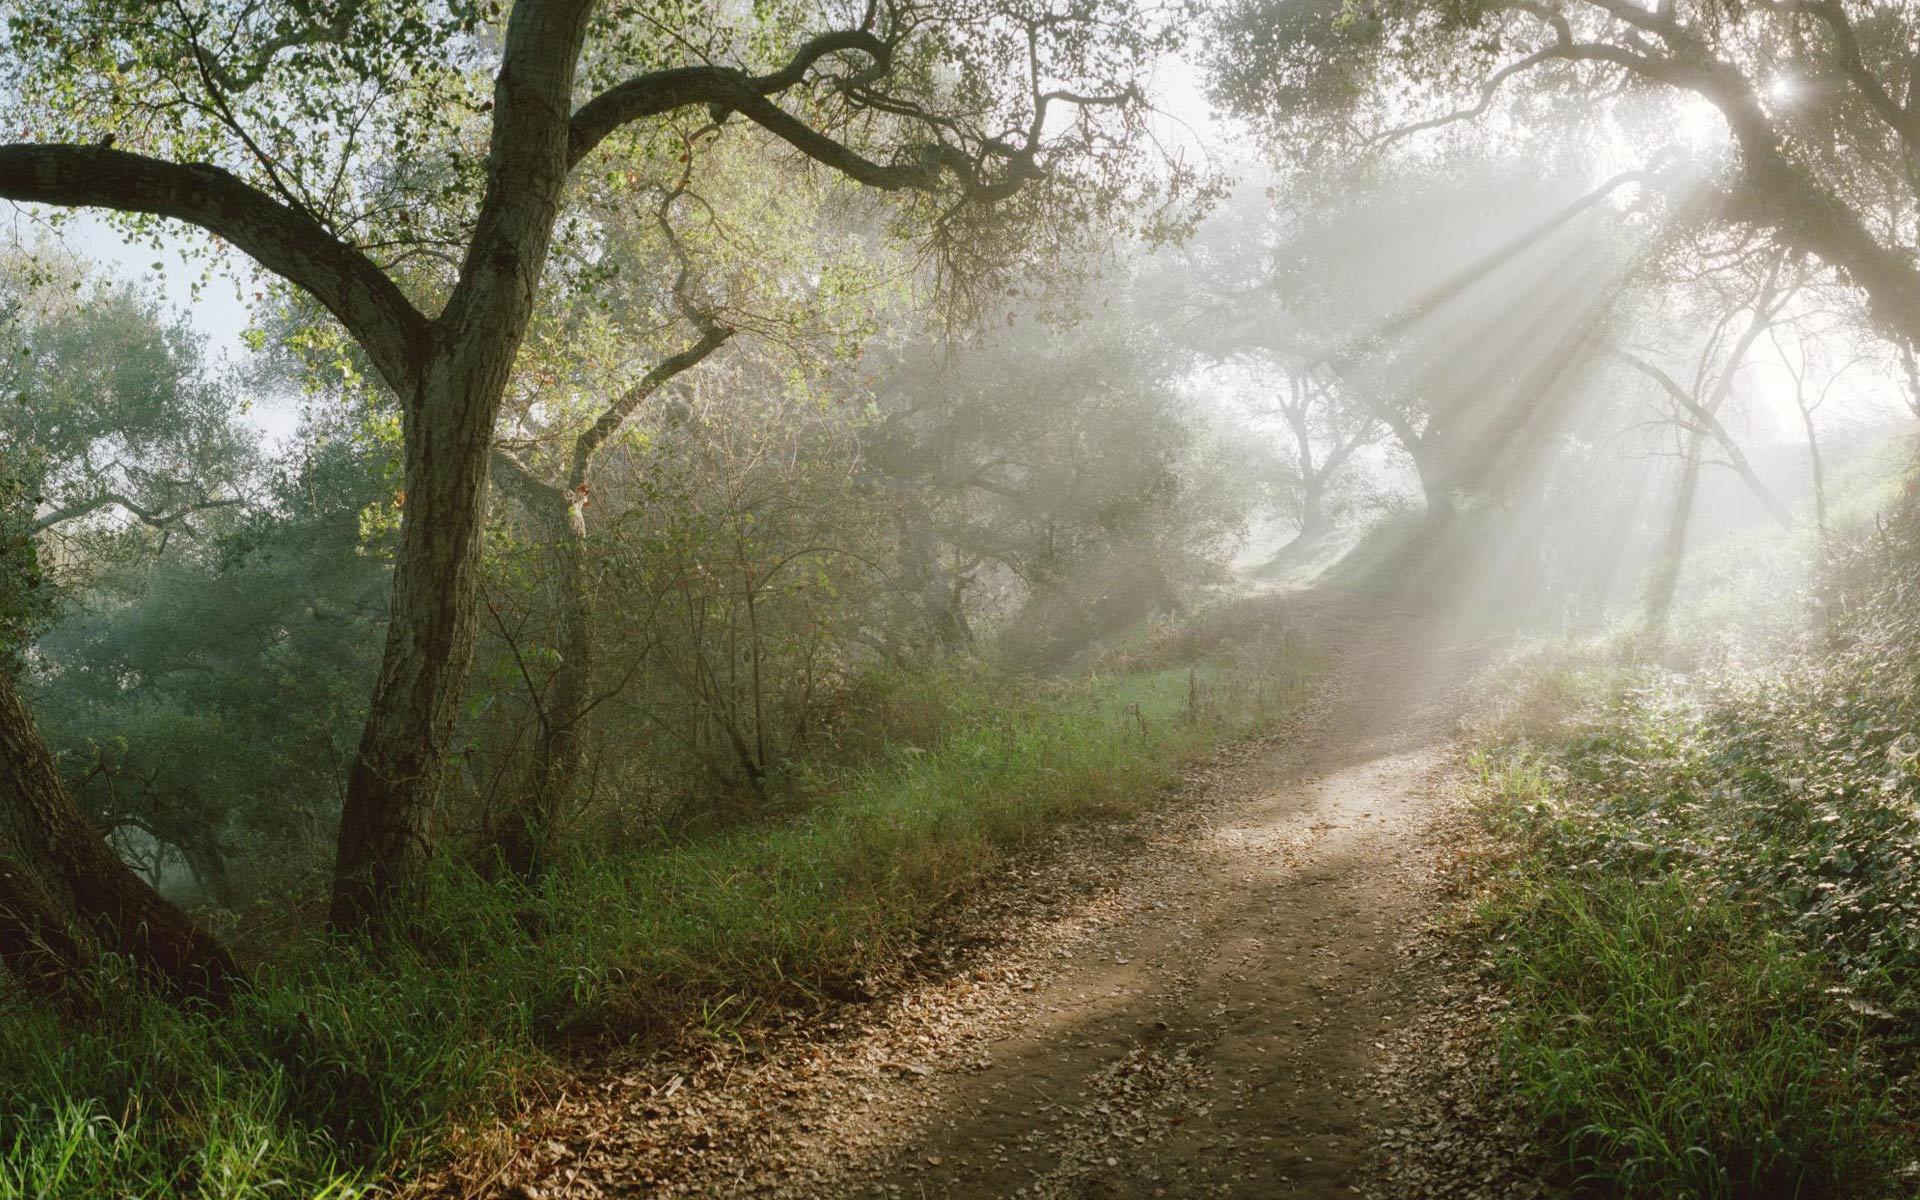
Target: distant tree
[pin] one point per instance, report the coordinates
(110, 416)
(1067, 460)
(1737, 303)
(1236, 295)
(1411, 306)
(1817, 98)
(202, 701)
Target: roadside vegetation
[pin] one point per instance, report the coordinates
(337, 1072)
(1705, 921)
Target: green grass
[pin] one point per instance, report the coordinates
(1666, 1046)
(1673, 1030)
(334, 1072)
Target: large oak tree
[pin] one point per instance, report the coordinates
(407, 164)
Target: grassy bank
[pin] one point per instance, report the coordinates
(335, 1072)
(1704, 926)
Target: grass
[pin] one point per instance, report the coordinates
(335, 1073)
(1682, 1018)
(1668, 1047)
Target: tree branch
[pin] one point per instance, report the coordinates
(289, 243)
(1488, 91)
(663, 91)
(148, 516)
(1710, 424)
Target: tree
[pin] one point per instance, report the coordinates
(1816, 348)
(756, 250)
(106, 412)
(1816, 96)
(1243, 294)
(329, 144)
(110, 414)
(1453, 307)
(202, 699)
(1741, 306)
(557, 508)
(1066, 458)
(1326, 432)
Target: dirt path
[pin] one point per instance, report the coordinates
(1190, 1011)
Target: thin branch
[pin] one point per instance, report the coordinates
(157, 518)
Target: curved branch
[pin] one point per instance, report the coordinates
(286, 242)
(609, 421)
(511, 470)
(663, 91)
(727, 90)
(1488, 91)
(1710, 424)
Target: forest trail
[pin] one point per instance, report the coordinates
(1191, 1007)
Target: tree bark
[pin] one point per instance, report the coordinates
(1434, 486)
(1819, 469)
(65, 895)
(448, 433)
(383, 844)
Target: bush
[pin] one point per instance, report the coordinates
(1707, 940)
(336, 1070)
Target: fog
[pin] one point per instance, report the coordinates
(561, 530)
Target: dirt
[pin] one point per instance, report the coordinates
(1204, 1002)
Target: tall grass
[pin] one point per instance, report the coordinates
(1667, 1046)
(1683, 1020)
(336, 1072)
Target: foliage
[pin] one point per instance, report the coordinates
(1669, 1046)
(25, 600)
(337, 1070)
(1709, 937)
(1052, 479)
(202, 703)
(114, 423)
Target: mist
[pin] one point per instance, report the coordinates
(1270, 598)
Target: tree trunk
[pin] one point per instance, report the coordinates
(1440, 508)
(1314, 525)
(524, 836)
(449, 414)
(1665, 582)
(1819, 468)
(64, 892)
(383, 845)
(935, 600)
(951, 627)
(1419, 445)
(39, 944)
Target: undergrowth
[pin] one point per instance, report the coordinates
(1706, 930)
(337, 1071)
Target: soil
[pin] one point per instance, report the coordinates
(1231, 996)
